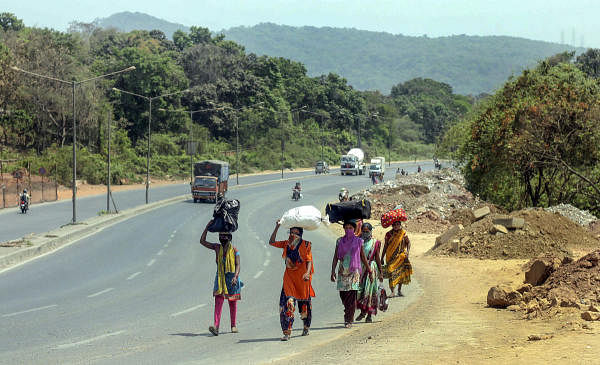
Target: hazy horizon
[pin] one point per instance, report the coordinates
(552, 20)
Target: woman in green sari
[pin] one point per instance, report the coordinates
(367, 293)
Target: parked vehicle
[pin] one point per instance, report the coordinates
(210, 180)
(352, 162)
(321, 167)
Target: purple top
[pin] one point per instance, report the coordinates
(350, 245)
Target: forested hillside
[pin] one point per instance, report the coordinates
(376, 60)
(202, 86)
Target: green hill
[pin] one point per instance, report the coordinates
(376, 60)
(128, 21)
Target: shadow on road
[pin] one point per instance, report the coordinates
(184, 334)
(252, 340)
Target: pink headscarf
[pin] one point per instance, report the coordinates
(350, 245)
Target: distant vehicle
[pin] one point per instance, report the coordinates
(210, 180)
(321, 167)
(377, 167)
(352, 162)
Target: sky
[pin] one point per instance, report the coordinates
(573, 22)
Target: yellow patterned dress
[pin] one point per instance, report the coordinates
(397, 268)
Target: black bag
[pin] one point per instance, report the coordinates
(353, 209)
(225, 216)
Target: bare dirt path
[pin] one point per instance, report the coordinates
(450, 322)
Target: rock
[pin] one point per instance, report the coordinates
(501, 296)
(455, 245)
(564, 296)
(481, 212)
(510, 222)
(594, 308)
(540, 269)
(448, 235)
(514, 308)
(534, 338)
(590, 316)
(498, 228)
(524, 288)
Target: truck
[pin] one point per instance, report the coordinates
(377, 167)
(210, 180)
(352, 162)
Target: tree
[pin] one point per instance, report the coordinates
(9, 22)
(536, 141)
(589, 62)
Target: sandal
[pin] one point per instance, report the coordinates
(234, 329)
(285, 337)
(369, 319)
(213, 330)
(360, 317)
(305, 332)
(348, 325)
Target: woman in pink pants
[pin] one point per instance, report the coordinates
(227, 284)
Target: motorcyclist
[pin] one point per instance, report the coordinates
(25, 197)
(297, 189)
(343, 195)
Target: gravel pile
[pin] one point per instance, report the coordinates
(581, 217)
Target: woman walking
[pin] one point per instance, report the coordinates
(349, 253)
(297, 280)
(396, 249)
(367, 292)
(227, 283)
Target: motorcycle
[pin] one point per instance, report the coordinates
(296, 194)
(24, 205)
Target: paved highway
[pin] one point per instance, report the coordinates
(141, 291)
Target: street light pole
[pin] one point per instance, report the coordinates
(237, 150)
(108, 168)
(149, 99)
(73, 84)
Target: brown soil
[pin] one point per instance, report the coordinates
(544, 233)
(575, 284)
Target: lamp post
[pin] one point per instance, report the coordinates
(282, 139)
(237, 136)
(149, 99)
(320, 129)
(191, 112)
(73, 84)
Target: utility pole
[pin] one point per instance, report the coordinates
(108, 169)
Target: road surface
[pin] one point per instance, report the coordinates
(140, 291)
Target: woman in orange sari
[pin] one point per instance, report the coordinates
(397, 267)
(297, 288)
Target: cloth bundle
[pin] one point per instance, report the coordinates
(394, 215)
(225, 216)
(306, 217)
(353, 209)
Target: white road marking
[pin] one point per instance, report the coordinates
(187, 310)
(166, 245)
(257, 238)
(134, 275)
(265, 246)
(151, 262)
(75, 344)
(267, 262)
(268, 253)
(172, 235)
(175, 231)
(159, 253)
(258, 274)
(100, 292)
(169, 241)
(29, 310)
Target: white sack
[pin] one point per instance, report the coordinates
(306, 216)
